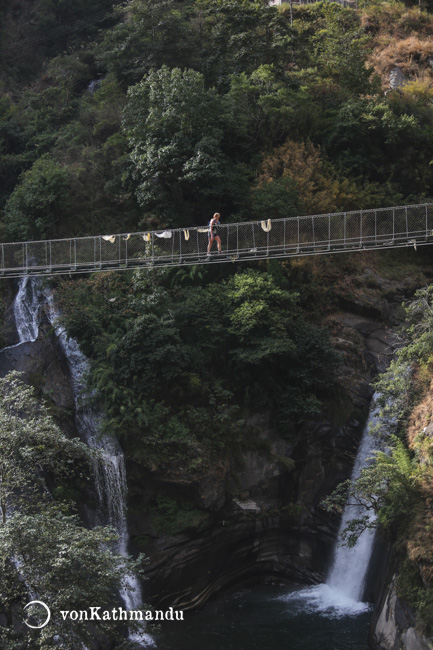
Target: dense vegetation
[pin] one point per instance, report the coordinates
(44, 547)
(159, 112)
(180, 359)
(397, 486)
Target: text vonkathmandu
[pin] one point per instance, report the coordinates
(120, 614)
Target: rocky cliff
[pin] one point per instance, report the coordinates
(263, 516)
(256, 516)
(394, 623)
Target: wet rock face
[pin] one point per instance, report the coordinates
(185, 572)
(44, 366)
(395, 625)
(265, 519)
(41, 363)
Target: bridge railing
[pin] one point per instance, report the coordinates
(305, 235)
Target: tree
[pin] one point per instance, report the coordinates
(45, 551)
(297, 178)
(264, 108)
(175, 131)
(336, 44)
(34, 208)
(389, 487)
(151, 33)
(240, 35)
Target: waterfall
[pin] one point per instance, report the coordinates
(109, 469)
(110, 475)
(26, 308)
(342, 593)
(349, 569)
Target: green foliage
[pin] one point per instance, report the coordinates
(339, 47)
(152, 33)
(174, 128)
(209, 89)
(36, 31)
(69, 567)
(400, 385)
(37, 203)
(388, 488)
(43, 548)
(32, 448)
(364, 130)
(278, 198)
(240, 35)
(411, 587)
(177, 367)
(266, 107)
(172, 516)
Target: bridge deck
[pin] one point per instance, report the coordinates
(341, 232)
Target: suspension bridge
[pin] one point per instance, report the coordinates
(342, 232)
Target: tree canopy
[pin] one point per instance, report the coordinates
(46, 552)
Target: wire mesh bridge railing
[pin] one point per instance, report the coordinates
(341, 232)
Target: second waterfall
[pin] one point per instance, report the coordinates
(342, 593)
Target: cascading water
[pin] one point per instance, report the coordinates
(26, 308)
(349, 569)
(342, 593)
(110, 478)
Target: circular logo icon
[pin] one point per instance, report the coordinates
(43, 623)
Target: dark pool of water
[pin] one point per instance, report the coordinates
(266, 618)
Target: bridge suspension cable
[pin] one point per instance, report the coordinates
(342, 232)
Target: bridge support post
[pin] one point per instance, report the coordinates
(360, 229)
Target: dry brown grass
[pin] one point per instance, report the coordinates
(421, 417)
(420, 545)
(410, 54)
(400, 37)
(419, 542)
(396, 19)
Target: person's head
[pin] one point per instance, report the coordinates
(216, 215)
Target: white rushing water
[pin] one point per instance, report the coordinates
(26, 308)
(349, 569)
(342, 593)
(110, 477)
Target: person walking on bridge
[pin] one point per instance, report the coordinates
(213, 233)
